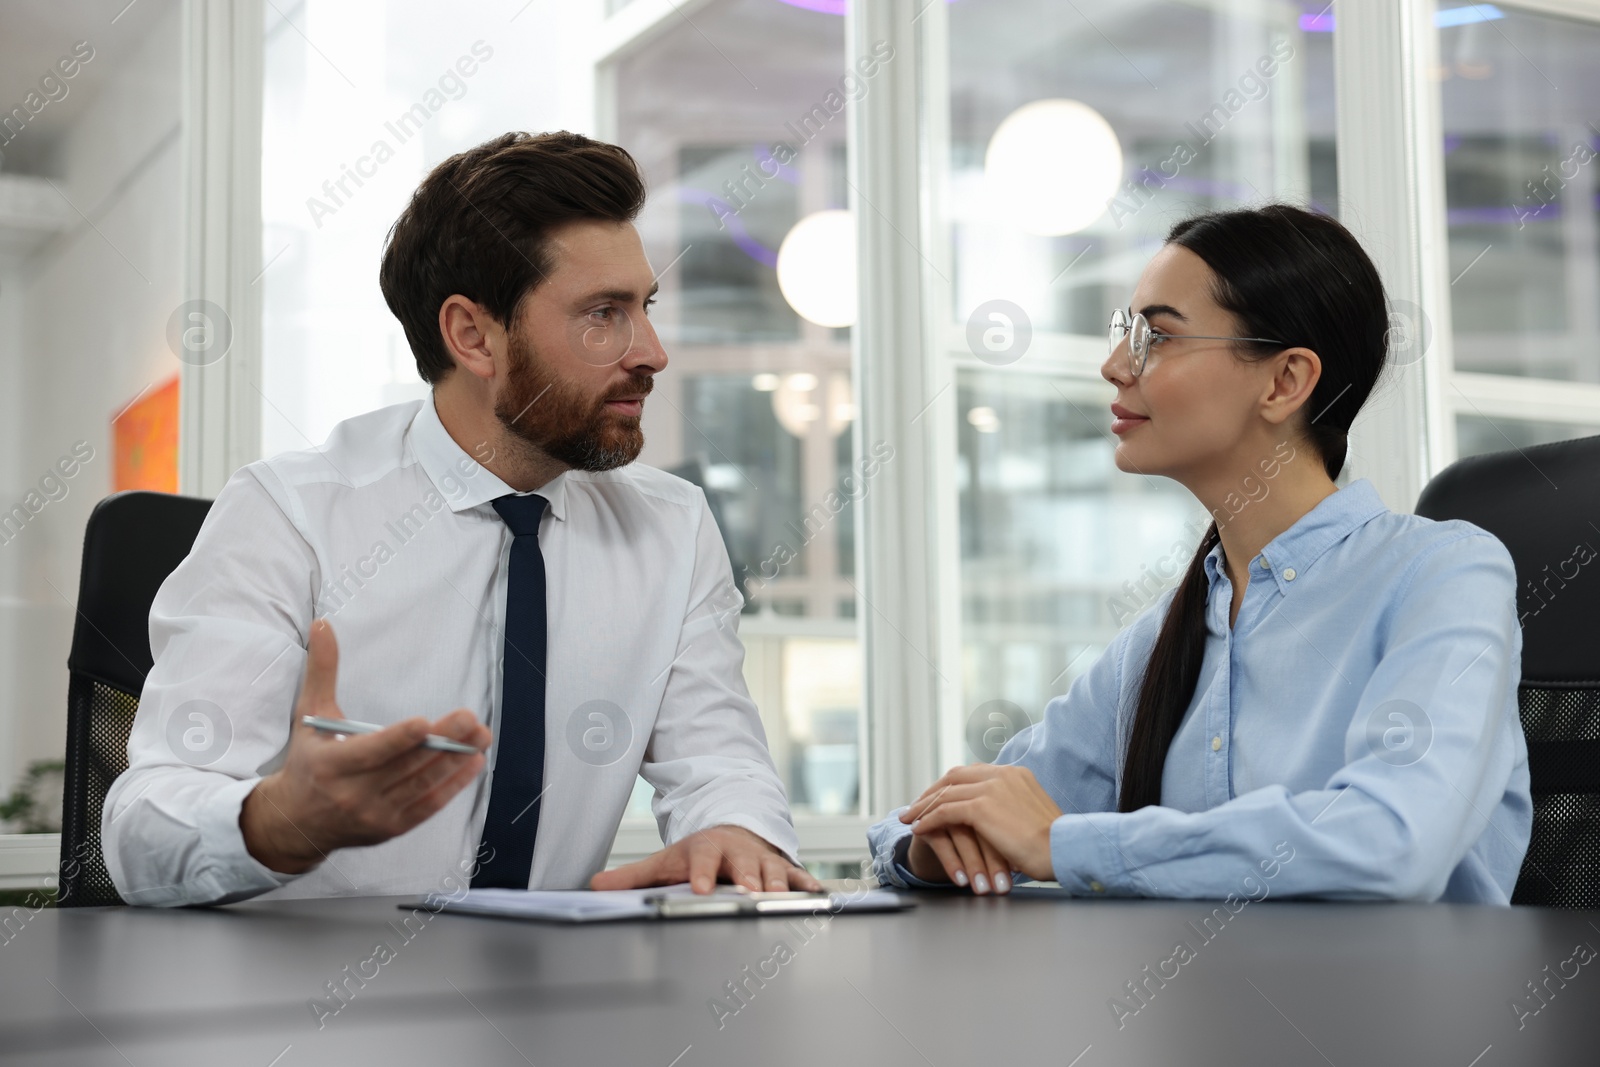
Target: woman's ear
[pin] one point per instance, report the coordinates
(1295, 377)
(471, 335)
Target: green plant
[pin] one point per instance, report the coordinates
(35, 804)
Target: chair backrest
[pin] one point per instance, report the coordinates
(132, 542)
(1543, 503)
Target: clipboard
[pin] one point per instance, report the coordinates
(662, 902)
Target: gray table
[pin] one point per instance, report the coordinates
(958, 981)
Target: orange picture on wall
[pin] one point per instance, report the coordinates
(145, 440)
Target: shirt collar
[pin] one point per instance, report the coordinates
(1293, 552)
(461, 480)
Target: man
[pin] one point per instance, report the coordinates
(493, 550)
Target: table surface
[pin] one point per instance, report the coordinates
(957, 981)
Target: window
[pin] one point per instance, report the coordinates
(1476, 434)
(1517, 88)
(756, 406)
(1077, 135)
(745, 159)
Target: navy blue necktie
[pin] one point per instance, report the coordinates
(513, 819)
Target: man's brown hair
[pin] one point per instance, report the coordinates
(479, 225)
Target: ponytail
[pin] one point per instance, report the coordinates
(1174, 669)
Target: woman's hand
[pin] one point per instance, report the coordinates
(1003, 807)
(958, 855)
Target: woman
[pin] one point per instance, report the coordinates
(1326, 704)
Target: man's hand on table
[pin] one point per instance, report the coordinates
(337, 791)
(725, 853)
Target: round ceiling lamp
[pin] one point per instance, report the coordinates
(1052, 165)
(817, 268)
(802, 400)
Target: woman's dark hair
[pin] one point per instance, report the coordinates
(1302, 279)
(480, 222)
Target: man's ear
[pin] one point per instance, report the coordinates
(1296, 377)
(475, 341)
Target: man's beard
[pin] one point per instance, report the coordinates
(555, 416)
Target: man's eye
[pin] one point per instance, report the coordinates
(648, 304)
(603, 313)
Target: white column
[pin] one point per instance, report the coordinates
(905, 393)
(220, 407)
(1391, 192)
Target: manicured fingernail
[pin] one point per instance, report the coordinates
(980, 882)
(961, 879)
(915, 823)
(1002, 884)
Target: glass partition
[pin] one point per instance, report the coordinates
(1518, 92)
(1477, 434)
(737, 117)
(1077, 135)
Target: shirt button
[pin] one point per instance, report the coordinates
(1265, 565)
(1288, 574)
(1216, 744)
(1097, 887)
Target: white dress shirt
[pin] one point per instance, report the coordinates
(388, 531)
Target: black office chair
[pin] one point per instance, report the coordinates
(1543, 503)
(132, 542)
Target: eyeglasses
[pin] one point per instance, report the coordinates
(1141, 340)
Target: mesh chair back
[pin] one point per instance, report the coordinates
(1538, 502)
(132, 542)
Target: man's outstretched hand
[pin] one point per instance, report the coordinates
(725, 853)
(336, 791)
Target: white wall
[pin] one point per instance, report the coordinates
(82, 332)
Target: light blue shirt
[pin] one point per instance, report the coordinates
(1359, 718)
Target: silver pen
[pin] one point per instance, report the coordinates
(736, 900)
(350, 726)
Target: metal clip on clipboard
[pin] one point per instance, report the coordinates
(737, 900)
